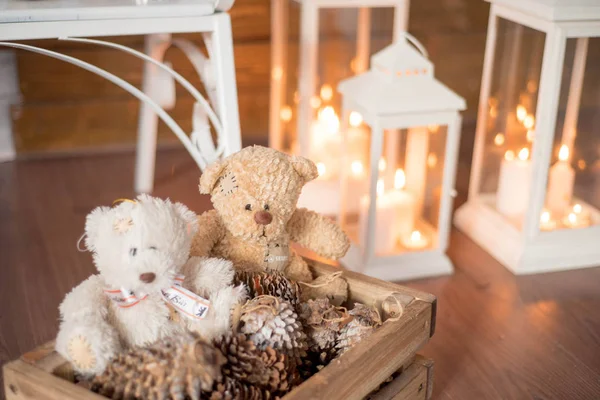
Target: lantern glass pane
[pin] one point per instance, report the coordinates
(573, 191)
(409, 192)
(308, 119)
(505, 174)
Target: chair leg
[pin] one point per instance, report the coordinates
(155, 46)
(221, 46)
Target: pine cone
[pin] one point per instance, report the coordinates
(331, 286)
(173, 368)
(364, 322)
(267, 369)
(323, 323)
(270, 322)
(272, 283)
(232, 389)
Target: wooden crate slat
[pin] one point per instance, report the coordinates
(415, 383)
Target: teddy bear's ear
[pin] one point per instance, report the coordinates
(190, 218)
(210, 175)
(95, 223)
(304, 167)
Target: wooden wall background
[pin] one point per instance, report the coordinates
(66, 109)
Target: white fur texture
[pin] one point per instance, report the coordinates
(148, 236)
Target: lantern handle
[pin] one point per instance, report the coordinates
(413, 40)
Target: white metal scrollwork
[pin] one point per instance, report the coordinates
(199, 144)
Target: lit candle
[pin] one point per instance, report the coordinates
(521, 113)
(406, 203)
(326, 92)
(577, 217)
(357, 138)
(529, 121)
(514, 183)
(417, 149)
(499, 139)
(394, 215)
(546, 221)
(415, 241)
(357, 169)
(560, 183)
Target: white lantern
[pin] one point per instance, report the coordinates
(534, 193)
(399, 221)
(314, 45)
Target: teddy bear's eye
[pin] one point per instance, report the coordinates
(249, 207)
(152, 248)
(133, 251)
(266, 207)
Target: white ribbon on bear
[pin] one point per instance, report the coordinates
(188, 303)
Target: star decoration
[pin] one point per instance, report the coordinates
(122, 225)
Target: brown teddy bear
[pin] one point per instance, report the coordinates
(255, 192)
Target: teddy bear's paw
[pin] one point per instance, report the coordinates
(81, 354)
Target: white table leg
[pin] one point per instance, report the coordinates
(155, 46)
(221, 45)
(9, 94)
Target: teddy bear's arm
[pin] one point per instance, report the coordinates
(317, 233)
(205, 276)
(210, 231)
(85, 336)
(85, 301)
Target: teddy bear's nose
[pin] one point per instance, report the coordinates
(148, 277)
(263, 218)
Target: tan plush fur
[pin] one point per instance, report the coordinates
(262, 180)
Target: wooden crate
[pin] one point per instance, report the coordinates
(44, 374)
(412, 383)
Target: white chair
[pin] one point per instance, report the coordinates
(77, 20)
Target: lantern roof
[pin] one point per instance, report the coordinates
(401, 80)
(555, 10)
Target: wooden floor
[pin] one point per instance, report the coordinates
(498, 336)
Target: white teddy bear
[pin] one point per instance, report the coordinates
(147, 288)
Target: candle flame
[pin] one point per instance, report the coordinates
(499, 139)
(577, 208)
(494, 112)
(286, 114)
(355, 119)
(329, 119)
(399, 179)
(357, 167)
(382, 164)
(321, 169)
(509, 155)
(326, 92)
(581, 164)
(315, 102)
(415, 236)
(524, 154)
(530, 135)
(529, 121)
(431, 160)
(380, 187)
(563, 153)
(277, 73)
(433, 128)
(572, 218)
(545, 218)
(521, 113)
